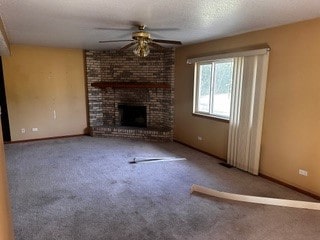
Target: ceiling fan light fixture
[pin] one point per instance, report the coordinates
(142, 49)
(142, 39)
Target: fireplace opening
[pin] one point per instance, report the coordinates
(133, 116)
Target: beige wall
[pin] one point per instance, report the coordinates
(291, 128)
(39, 81)
(6, 232)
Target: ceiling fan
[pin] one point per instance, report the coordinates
(141, 40)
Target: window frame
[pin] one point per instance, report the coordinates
(196, 89)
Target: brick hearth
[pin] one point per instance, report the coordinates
(118, 77)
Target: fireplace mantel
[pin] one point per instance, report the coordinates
(129, 85)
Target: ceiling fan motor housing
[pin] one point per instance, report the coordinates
(141, 35)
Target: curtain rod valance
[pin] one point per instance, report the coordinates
(229, 55)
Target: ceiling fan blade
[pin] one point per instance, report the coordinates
(167, 41)
(115, 41)
(138, 24)
(127, 46)
(156, 45)
(114, 29)
(162, 29)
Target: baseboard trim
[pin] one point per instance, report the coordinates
(207, 153)
(290, 186)
(255, 199)
(47, 138)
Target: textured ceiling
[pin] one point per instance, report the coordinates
(74, 23)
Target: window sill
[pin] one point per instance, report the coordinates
(216, 118)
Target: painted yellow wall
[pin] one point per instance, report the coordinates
(291, 128)
(6, 232)
(39, 81)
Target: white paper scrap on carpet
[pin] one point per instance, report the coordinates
(254, 199)
(156, 159)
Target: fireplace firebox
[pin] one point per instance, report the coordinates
(132, 116)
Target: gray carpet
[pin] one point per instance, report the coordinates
(83, 188)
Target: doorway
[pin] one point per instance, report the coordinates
(4, 110)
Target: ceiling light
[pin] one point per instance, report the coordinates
(142, 49)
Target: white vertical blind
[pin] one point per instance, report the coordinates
(247, 105)
(235, 111)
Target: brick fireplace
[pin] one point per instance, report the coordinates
(118, 81)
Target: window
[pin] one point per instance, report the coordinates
(212, 92)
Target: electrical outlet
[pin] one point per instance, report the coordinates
(303, 172)
(35, 130)
(199, 138)
(23, 130)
